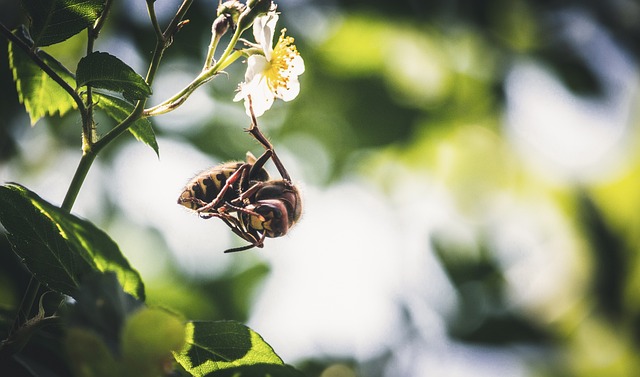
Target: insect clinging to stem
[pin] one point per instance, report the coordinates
(241, 194)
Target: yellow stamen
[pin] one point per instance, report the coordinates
(280, 65)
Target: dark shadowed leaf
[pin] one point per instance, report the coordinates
(38, 92)
(58, 247)
(54, 21)
(102, 70)
(220, 345)
(119, 109)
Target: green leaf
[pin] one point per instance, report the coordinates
(219, 345)
(54, 21)
(102, 70)
(38, 92)
(118, 109)
(258, 370)
(59, 248)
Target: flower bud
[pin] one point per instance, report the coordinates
(255, 8)
(260, 3)
(221, 25)
(231, 10)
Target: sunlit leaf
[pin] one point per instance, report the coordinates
(219, 345)
(54, 21)
(118, 109)
(102, 70)
(258, 370)
(39, 93)
(58, 247)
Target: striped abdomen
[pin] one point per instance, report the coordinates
(206, 185)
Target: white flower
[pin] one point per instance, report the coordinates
(274, 72)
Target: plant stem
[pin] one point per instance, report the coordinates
(176, 100)
(154, 20)
(218, 29)
(177, 19)
(179, 98)
(88, 156)
(90, 149)
(119, 129)
(88, 129)
(227, 51)
(215, 38)
(97, 26)
(158, 52)
(162, 43)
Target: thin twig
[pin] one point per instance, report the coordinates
(154, 19)
(97, 26)
(227, 57)
(162, 44)
(177, 19)
(88, 128)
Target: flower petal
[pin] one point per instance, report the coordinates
(296, 66)
(263, 30)
(247, 88)
(256, 65)
(262, 100)
(243, 92)
(274, 74)
(291, 91)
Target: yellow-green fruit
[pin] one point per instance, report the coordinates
(88, 355)
(148, 338)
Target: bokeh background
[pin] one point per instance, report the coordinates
(470, 172)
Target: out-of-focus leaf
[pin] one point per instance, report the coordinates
(58, 247)
(38, 92)
(355, 50)
(102, 70)
(219, 345)
(232, 292)
(54, 21)
(119, 109)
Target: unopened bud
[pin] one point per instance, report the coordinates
(255, 8)
(221, 25)
(259, 3)
(232, 10)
